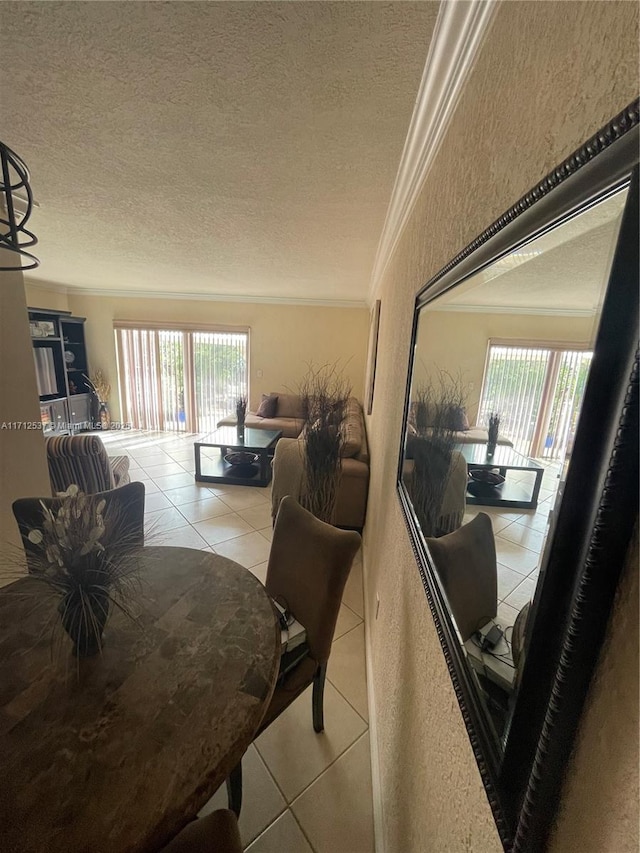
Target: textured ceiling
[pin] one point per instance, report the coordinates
(201, 147)
(563, 271)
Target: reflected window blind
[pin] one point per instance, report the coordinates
(180, 379)
(537, 391)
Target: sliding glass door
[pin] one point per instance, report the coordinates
(537, 391)
(180, 379)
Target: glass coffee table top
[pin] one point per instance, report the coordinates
(503, 457)
(227, 436)
(509, 493)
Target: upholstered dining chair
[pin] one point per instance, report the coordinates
(308, 567)
(83, 460)
(124, 508)
(216, 833)
(465, 561)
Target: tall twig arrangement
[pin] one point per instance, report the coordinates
(99, 385)
(324, 392)
(241, 410)
(437, 404)
(493, 430)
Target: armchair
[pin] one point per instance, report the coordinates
(83, 460)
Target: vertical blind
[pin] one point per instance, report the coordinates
(537, 391)
(180, 379)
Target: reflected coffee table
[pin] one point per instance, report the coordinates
(515, 495)
(211, 449)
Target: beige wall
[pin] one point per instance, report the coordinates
(45, 297)
(283, 337)
(549, 75)
(23, 465)
(456, 341)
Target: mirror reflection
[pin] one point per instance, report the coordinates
(500, 368)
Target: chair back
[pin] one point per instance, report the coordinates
(465, 561)
(79, 459)
(124, 511)
(308, 567)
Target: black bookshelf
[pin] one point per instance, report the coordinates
(60, 356)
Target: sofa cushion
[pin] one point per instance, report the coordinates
(289, 406)
(351, 428)
(268, 407)
(458, 418)
(291, 427)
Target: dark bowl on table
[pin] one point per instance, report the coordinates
(483, 481)
(242, 461)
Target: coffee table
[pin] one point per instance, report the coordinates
(515, 495)
(212, 468)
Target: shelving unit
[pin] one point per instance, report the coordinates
(61, 366)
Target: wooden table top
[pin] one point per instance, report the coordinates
(114, 754)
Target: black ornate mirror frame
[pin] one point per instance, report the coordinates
(597, 516)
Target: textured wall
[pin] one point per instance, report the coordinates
(549, 75)
(23, 465)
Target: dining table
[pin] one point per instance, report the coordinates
(115, 753)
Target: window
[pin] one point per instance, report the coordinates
(537, 390)
(178, 378)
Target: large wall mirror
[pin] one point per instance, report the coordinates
(518, 469)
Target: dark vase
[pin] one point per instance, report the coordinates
(491, 448)
(240, 430)
(85, 629)
(104, 416)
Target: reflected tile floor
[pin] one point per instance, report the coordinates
(303, 792)
(520, 537)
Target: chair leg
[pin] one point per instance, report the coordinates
(318, 697)
(234, 789)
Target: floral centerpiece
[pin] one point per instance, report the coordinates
(241, 414)
(85, 555)
(492, 432)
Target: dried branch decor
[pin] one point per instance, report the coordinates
(324, 392)
(436, 405)
(99, 385)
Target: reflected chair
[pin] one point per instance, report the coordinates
(465, 561)
(216, 833)
(124, 510)
(83, 460)
(309, 564)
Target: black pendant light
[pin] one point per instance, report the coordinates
(14, 236)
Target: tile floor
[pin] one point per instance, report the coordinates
(302, 792)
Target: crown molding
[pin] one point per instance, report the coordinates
(514, 309)
(198, 297)
(459, 32)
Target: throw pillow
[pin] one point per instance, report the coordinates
(268, 406)
(458, 418)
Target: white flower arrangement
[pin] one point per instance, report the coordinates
(84, 554)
